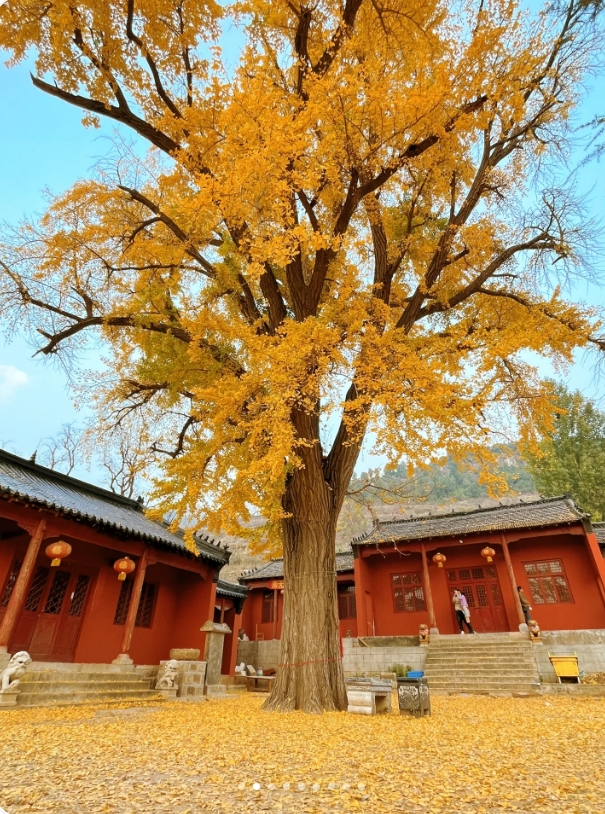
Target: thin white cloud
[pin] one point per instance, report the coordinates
(11, 379)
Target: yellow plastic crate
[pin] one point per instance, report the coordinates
(565, 666)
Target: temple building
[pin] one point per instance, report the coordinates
(402, 574)
(86, 577)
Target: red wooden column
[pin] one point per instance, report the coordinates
(17, 599)
(365, 625)
(135, 598)
(429, 592)
(595, 554)
(511, 577)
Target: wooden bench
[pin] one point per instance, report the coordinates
(253, 686)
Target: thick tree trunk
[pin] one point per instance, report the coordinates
(310, 675)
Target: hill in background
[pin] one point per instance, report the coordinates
(389, 495)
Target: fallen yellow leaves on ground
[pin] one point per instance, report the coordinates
(474, 755)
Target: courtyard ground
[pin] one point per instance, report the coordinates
(479, 754)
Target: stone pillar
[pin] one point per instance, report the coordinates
(213, 656)
(429, 592)
(513, 584)
(17, 599)
(135, 598)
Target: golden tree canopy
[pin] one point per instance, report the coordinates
(346, 226)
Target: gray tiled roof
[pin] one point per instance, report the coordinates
(275, 568)
(231, 589)
(523, 515)
(599, 530)
(36, 484)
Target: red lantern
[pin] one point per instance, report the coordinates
(124, 566)
(439, 559)
(58, 551)
(488, 553)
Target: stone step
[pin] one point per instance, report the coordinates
(481, 682)
(474, 643)
(97, 685)
(467, 648)
(85, 696)
(83, 675)
(526, 655)
(476, 671)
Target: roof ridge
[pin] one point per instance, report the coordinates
(83, 485)
(479, 510)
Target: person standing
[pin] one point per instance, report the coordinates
(525, 606)
(460, 605)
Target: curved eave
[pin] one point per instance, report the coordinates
(206, 551)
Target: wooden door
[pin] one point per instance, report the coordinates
(50, 621)
(481, 587)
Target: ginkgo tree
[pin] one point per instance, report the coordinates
(347, 227)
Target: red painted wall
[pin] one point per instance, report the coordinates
(184, 599)
(587, 610)
(252, 614)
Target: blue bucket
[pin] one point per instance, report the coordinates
(415, 674)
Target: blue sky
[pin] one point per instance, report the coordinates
(43, 145)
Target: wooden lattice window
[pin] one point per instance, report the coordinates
(547, 582)
(36, 589)
(267, 614)
(10, 583)
(79, 595)
(347, 608)
(123, 603)
(144, 617)
(408, 593)
(146, 605)
(56, 595)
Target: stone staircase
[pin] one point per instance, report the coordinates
(46, 684)
(488, 664)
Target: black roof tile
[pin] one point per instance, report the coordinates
(28, 481)
(275, 568)
(541, 513)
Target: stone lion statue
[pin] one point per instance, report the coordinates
(11, 675)
(166, 682)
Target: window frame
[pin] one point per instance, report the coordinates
(346, 597)
(551, 577)
(402, 586)
(268, 601)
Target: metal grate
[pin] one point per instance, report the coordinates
(56, 595)
(36, 589)
(10, 583)
(78, 598)
(123, 603)
(146, 604)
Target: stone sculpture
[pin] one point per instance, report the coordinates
(10, 678)
(414, 698)
(168, 679)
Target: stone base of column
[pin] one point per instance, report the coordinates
(434, 631)
(123, 658)
(4, 660)
(523, 628)
(216, 691)
(169, 693)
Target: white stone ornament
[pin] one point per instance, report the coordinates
(10, 678)
(167, 681)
